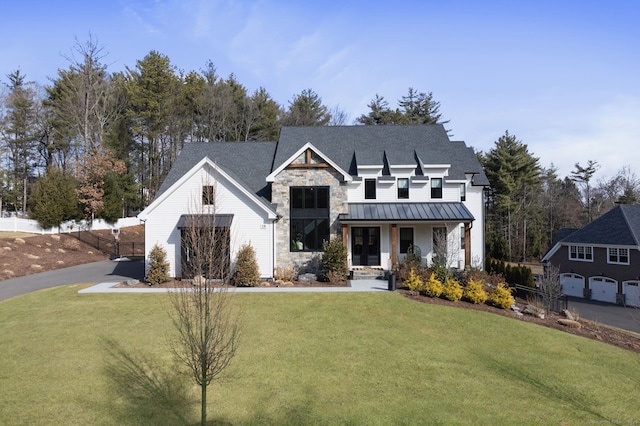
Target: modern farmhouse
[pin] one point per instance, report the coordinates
(383, 190)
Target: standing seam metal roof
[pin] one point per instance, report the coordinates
(407, 212)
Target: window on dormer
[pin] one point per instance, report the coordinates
(370, 189)
(436, 188)
(403, 188)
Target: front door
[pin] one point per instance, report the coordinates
(365, 246)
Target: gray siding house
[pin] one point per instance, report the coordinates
(602, 260)
(380, 189)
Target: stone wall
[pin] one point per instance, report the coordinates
(305, 176)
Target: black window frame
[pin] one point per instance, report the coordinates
(405, 243)
(436, 191)
(309, 217)
(208, 195)
(403, 193)
(370, 189)
(463, 192)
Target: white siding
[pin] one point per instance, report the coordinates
(250, 222)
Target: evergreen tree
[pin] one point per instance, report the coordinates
(515, 178)
(306, 109)
(583, 175)
(54, 199)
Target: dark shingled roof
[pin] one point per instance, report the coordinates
(350, 146)
(407, 211)
(619, 226)
(249, 163)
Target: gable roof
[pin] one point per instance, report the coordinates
(618, 227)
(299, 152)
(350, 146)
(247, 162)
(230, 159)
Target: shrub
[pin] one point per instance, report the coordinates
(501, 297)
(432, 287)
(71, 244)
(158, 266)
(474, 292)
(452, 290)
(414, 283)
(247, 273)
(285, 273)
(334, 259)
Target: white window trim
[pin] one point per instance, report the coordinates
(617, 251)
(587, 249)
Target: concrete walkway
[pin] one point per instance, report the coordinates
(354, 286)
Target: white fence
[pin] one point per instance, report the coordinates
(17, 224)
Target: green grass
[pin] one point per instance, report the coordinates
(330, 358)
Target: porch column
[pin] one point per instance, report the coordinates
(345, 240)
(345, 235)
(467, 247)
(394, 246)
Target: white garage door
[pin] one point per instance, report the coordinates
(572, 285)
(603, 289)
(631, 290)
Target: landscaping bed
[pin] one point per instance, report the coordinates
(589, 329)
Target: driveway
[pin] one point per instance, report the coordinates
(607, 313)
(106, 270)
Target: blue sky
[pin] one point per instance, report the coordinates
(562, 76)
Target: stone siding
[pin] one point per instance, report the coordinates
(280, 193)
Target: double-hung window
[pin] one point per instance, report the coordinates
(618, 255)
(583, 253)
(436, 188)
(403, 188)
(369, 189)
(309, 217)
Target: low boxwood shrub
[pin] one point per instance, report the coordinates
(501, 297)
(432, 287)
(474, 292)
(452, 290)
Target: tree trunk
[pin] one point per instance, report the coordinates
(203, 402)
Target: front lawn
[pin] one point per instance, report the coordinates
(336, 358)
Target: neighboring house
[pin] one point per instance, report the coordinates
(381, 189)
(602, 260)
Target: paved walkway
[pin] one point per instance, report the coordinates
(355, 286)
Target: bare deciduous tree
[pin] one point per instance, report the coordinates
(549, 286)
(206, 315)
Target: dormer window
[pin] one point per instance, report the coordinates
(436, 188)
(369, 189)
(403, 188)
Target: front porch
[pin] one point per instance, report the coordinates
(379, 236)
